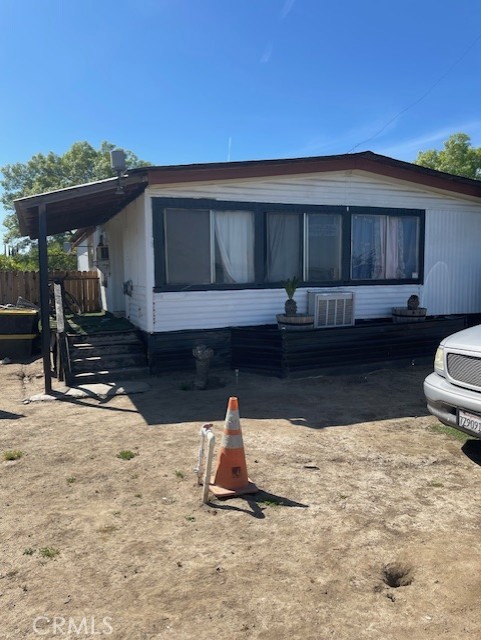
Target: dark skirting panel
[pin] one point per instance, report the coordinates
(172, 350)
(266, 349)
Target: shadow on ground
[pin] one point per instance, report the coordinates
(472, 449)
(257, 504)
(314, 403)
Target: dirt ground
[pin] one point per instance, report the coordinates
(360, 491)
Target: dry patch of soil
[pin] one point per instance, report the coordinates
(367, 525)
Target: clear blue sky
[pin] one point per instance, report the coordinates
(180, 81)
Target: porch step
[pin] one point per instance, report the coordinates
(112, 361)
(110, 375)
(110, 356)
(104, 339)
(88, 350)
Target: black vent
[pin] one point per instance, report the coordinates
(465, 369)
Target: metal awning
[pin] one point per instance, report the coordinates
(78, 207)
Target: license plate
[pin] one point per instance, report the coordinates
(469, 421)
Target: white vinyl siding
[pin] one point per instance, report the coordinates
(452, 269)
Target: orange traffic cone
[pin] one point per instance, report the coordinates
(230, 477)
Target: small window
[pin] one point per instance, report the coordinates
(323, 247)
(385, 247)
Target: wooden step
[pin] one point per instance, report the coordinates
(110, 375)
(104, 339)
(88, 350)
(97, 362)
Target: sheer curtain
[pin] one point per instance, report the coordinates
(395, 249)
(234, 235)
(283, 247)
(368, 247)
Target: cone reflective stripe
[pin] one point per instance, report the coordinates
(230, 477)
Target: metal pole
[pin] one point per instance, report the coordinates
(44, 298)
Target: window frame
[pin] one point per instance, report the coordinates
(260, 211)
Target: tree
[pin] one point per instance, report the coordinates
(80, 164)
(458, 157)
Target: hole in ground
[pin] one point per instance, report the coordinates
(397, 574)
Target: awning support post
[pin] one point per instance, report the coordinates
(44, 296)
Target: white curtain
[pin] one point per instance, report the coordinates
(234, 234)
(395, 249)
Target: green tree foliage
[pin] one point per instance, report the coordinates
(80, 164)
(458, 157)
(28, 260)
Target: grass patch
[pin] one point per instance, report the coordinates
(49, 552)
(272, 503)
(14, 454)
(435, 483)
(449, 431)
(180, 475)
(190, 518)
(28, 551)
(71, 480)
(126, 455)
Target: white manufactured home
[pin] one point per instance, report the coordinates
(207, 247)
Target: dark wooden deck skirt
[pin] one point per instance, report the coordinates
(270, 351)
(266, 349)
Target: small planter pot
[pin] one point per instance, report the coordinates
(299, 322)
(403, 314)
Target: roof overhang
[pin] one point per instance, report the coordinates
(78, 207)
(93, 204)
(365, 161)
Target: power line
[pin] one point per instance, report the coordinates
(413, 104)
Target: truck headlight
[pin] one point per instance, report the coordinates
(439, 361)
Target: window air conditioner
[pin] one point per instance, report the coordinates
(331, 309)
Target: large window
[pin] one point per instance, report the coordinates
(202, 243)
(207, 247)
(385, 247)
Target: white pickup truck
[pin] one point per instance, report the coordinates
(453, 391)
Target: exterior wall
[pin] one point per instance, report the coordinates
(452, 269)
(128, 262)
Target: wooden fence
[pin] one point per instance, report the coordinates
(83, 285)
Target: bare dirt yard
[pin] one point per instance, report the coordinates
(367, 525)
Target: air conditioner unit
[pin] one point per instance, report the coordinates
(332, 308)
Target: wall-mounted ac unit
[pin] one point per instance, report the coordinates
(332, 308)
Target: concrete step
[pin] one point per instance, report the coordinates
(113, 361)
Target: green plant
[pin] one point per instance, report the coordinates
(71, 479)
(190, 518)
(28, 551)
(179, 474)
(126, 455)
(290, 286)
(271, 503)
(449, 431)
(435, 483)
(49, 552)
(15, 454)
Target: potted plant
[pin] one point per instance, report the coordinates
(290, 305)
(412, 312)
(290, 319)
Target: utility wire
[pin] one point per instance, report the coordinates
(413, 104)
